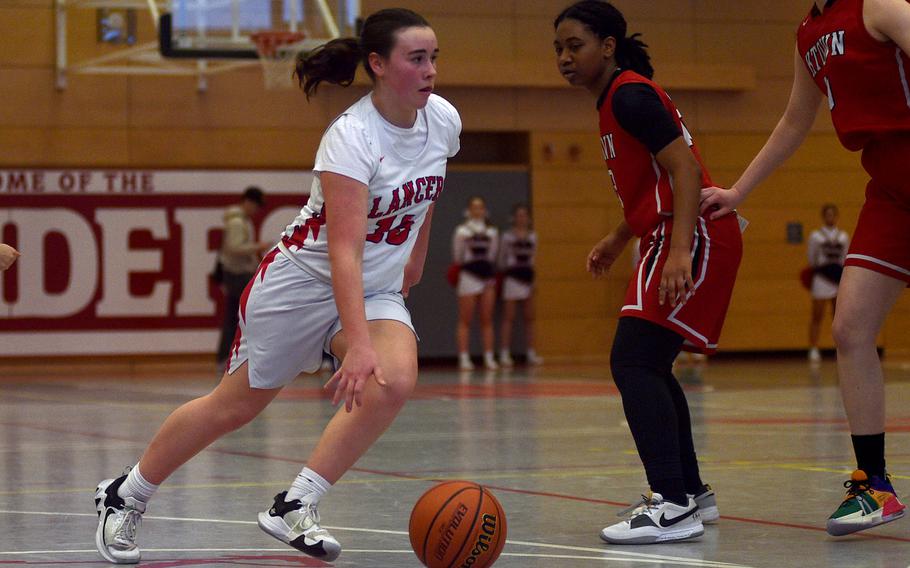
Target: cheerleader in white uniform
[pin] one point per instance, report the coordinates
(827, 253)
(517, 250)
(474, 247)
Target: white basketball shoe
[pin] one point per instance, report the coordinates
(654, 520)
(297, 524)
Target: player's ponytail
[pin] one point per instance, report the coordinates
(336, 61)
(605, 20)
(631, 53)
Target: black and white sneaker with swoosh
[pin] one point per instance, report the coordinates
(707, 505)
(653, 520)
(297, 524)
(118, 523)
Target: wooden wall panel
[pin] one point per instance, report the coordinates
(224, 148)
(573, 224)
(233, 100)
(481, 112)
(26, 36)
(475, 39)
(574, 339)
(557, 110)
(778, 11)
(63, 147)
(788, 188)
(768, 47)
(581, 187)
(820, 152)
(585, 298)
(30, 99)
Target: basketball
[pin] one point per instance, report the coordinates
(457, 524)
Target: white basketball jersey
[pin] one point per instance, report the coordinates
(360, 144)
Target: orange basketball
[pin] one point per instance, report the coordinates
(457, 524)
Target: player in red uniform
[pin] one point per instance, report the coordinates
(680, 290)
(854, 52)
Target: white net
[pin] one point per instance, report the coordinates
(278, 55)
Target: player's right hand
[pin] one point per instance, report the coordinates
(719, 201)
(604, 254)
(358, 365)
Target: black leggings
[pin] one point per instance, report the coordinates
(655, 406)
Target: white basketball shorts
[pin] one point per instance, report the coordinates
(288, 319)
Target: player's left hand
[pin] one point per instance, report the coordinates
(358, 365)
(412, 278)
(676, 278)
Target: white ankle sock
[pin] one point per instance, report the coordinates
(488, 356)
(309, 487)
(136, 486)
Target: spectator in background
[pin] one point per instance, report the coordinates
(239, 257)
(827, 253)
(8, 256)
(474, 247)
(517, 249)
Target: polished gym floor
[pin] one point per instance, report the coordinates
(550, 442)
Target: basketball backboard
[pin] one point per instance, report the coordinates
(222, 29)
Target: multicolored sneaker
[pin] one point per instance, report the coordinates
(654, 520)
(869, 502)
(707, 504)
(297, 524)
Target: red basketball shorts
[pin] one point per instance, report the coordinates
(717, 249)
(881, 242)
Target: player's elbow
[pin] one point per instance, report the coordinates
(687, 168)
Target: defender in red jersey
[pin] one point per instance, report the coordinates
(679, 293)
(854, 52)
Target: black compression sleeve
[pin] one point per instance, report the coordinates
(640, 112)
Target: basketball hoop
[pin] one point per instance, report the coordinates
(277, 51)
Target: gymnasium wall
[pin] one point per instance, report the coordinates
(728, 66)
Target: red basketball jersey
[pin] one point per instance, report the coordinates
(864, 79)
(644, 187)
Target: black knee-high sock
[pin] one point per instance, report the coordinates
(870, 454)
(642, 356)
(687, 457)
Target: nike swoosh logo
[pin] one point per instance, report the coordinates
(300, 544)
(665, 522)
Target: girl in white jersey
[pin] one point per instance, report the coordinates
(517, 249)
(474, 246)
(380, 167)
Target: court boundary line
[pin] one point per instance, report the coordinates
(400, 475)
(624, 556)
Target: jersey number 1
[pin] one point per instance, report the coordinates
(830, 94)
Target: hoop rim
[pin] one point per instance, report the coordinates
(268, 41)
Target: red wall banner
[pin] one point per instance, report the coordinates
(117, 261)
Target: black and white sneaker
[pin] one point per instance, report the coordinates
(297, 524)
(707, 505)
(654, 520)
(118, 523)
